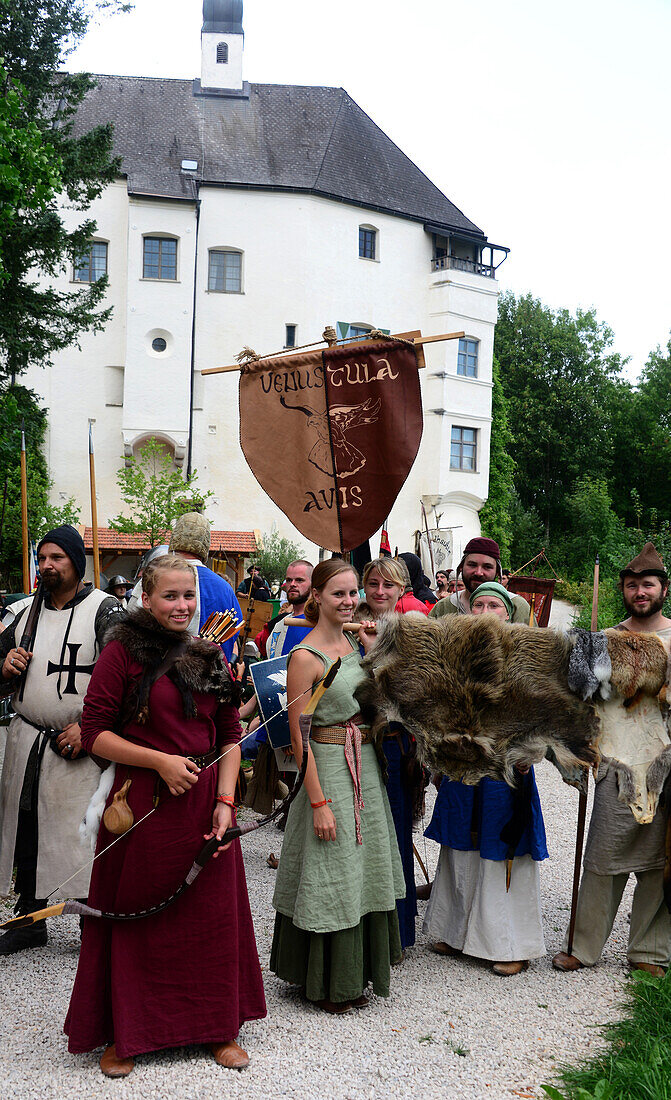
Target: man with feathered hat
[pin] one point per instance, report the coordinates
(617, 844)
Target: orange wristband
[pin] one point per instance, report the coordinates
(318, 805)
(226, 800)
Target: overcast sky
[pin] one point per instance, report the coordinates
(546, 123)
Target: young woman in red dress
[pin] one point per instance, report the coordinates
(189, 974)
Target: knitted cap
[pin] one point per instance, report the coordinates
(70, 542)
(191, 536)
(483, 546)
(648, 562)
(492, 588)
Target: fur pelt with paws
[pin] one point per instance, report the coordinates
(479, 695)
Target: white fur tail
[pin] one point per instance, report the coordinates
(88, 829)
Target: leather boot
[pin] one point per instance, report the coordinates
(114, 1066)
(566, 963)
(507, 969)
(650, 968)
(231, 1055)
(18, 939)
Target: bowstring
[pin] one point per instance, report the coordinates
(236, 745)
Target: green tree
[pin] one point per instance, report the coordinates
(155, 493)
(36, 319)
(526, 529)
(558, 374)
(18, 406)
(646, 439)
(274, 555)
(495, 517)
(30, 170)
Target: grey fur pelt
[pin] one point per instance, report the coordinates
(479, 695)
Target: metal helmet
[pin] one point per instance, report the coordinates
(115, 582)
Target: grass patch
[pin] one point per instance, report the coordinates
(636, 1064)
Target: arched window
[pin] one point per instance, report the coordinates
(222, 53)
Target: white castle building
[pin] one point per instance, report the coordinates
(257, 215)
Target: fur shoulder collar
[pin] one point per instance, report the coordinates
(200, 669)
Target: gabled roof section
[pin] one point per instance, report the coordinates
(283, 137)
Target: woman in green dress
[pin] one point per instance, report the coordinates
(340, 871)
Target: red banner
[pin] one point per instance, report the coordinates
(332, 435)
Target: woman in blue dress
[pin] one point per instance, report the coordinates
(487, 832)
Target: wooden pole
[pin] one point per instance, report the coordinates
(24, 514)
(582, 795)
(418, 341)
(94, 510)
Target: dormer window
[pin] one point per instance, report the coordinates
(222, 53)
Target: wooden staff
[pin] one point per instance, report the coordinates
(24, 513)
(418, 341)
(582, 795)
(94, 510)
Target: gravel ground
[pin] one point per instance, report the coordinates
(511, 1032)
(450, 1028)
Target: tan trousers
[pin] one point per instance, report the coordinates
(598, 902)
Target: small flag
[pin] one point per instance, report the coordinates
(34, 571)
(385, 547)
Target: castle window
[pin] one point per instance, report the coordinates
(467, 358)
(463, 449)
(367, 242)
(222, 53)
(159, 258)
(225, 271)
(92, 265)
(290, 336)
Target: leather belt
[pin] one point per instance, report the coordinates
(208, 758)
(336, 735)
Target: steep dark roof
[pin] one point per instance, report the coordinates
(276, 136)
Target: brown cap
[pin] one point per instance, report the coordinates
(648, 562)
(191, 536)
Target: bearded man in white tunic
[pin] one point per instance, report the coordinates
(47, 781)
(628, 825)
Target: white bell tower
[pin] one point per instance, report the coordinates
(221, 43)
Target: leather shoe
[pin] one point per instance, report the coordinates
(650, 968)
(334, 1008)
(361, 1002)
(18, 939)
(440, 948)
(231, 1055)
(507, 969)
(114, 1066)
(566, 963)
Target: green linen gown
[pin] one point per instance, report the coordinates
(336, 927)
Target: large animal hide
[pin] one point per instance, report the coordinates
(633, 738)
(479, 695)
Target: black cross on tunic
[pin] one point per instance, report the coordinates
(72, 668)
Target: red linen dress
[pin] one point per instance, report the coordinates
(191, 973)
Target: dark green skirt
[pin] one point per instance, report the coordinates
(337, 966)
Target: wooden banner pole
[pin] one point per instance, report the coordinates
(418, 341)
(582, 795)
(94, 510)
(24, 514)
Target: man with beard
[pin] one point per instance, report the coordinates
(277, 638)
(617, 845)
(47, 780)
(481, 562)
